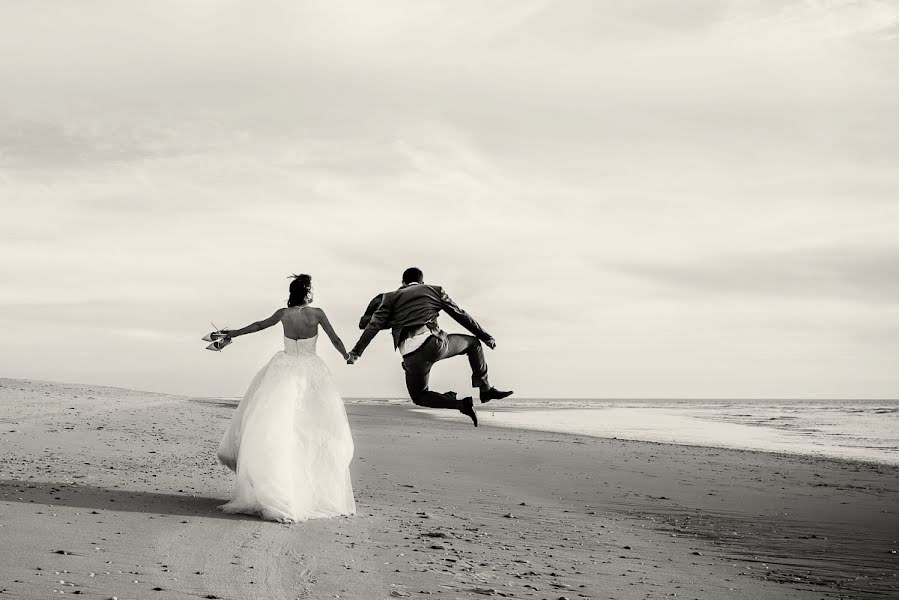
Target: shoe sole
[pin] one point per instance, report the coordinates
(489, 399)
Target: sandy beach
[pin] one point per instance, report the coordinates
(109, 493)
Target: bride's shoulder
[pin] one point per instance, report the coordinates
(318, 313)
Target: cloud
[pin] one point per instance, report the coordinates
(864, 274)
(574, 173)
(147, 334)
(42, 144)
(877, 19)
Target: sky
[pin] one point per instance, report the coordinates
(640, 199)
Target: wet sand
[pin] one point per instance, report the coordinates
(112, 493)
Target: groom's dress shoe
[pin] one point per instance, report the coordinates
(494, 394)
(468, 410)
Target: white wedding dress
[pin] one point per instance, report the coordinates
(289, 441)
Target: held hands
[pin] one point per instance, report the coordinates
(351, 358)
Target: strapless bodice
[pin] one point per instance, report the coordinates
(298, 347)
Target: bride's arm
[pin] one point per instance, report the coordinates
(335, 339)
(257, 326)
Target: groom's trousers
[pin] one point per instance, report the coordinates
(438, 346)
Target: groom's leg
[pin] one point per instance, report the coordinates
(418, 372)
(457, 344)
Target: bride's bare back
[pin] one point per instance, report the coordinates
(299, 322)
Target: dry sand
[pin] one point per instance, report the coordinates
(112, 493)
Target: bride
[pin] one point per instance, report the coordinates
(289, 441)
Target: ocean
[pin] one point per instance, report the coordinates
(866, 430)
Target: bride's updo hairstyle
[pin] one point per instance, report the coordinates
(299, 289)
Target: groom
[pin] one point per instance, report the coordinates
(411, 312)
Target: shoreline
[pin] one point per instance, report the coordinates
(404, 402)
(779, 453)
(435, 415)
(114, 492)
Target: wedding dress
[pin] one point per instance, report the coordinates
(289, 441)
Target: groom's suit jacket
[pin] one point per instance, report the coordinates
(408, 308)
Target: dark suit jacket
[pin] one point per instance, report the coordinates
(408, 308)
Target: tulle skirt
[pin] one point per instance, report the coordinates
(290, 444)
